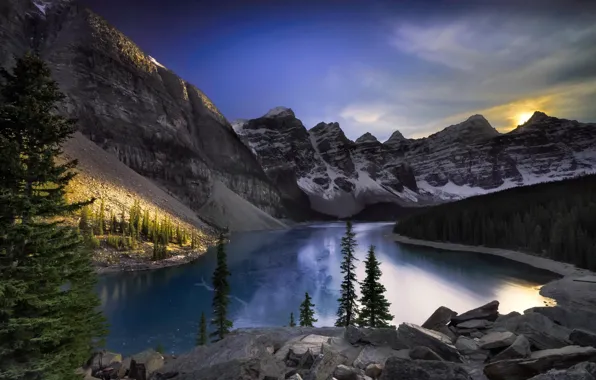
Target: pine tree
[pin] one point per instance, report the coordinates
(113, 223)
(49, 322)
(85, 222)
(101, 218)
(292, 322)
(202, 336)
(221, 289)
(145, 224)
(307, 312)
(193, 240)
(347, 312)
(123, 223)
(375, 307)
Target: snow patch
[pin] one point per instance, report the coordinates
(278, 111)
(155, 61)
(238, 125)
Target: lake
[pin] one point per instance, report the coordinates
(271, 271)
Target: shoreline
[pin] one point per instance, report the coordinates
(134, 265)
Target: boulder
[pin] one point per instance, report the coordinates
(103, 359)
(496, 340)
(539, 362)
(343, 372)
(405, 369)
(373, 354)
(567, 316)
(441, 317)
(520, 348)
(309, 344)
(386, 336)
(245, 369)
(324, 366)
(581, 371)
(374, 370)
(475, 324)
(540, 331)
(446, 330)
(343, 347)
(466, 345)
(490, 312)
(582, 338)
(152, 360)
(295, 377)
(412, 335)
(424, 353)
(503, 318)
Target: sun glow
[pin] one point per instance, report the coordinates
(523, 117)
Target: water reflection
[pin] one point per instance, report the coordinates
(272, 270)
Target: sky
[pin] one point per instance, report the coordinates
(375, 66)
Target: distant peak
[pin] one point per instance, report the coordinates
(395, 137)
(476, 117)
(367, 137)
(536, 117)
(279, 112)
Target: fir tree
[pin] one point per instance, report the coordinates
(85, 222)
(347, 312)
(123, 222)
(193, 240)
(202, 336)
(145, 224)
(49, 322)
(221, 289)
(375, 307)
(113, 223)
(292, 322)
(101, 218)
(307, 312)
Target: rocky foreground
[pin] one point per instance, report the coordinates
(478, 344)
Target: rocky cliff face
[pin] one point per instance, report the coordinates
(158, 124)
(341, 176)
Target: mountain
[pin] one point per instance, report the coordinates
(342, 177)
(161, 126)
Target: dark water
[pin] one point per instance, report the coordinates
(272, 270)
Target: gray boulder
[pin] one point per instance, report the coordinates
(520, 348)
(152, 360)
(412, 335)
(490, 312)
(581, 371)
(240, 369)
(374, 370)
(441, 317)
(475, 324)
(466, 345)
(539, 362)
(373, 354)
(424, 353)
(582, 338)
(103, 359)
(540, 331)
(375, 336)
(567, 316)
(404, 369)
(343, 347)
(496, 340)
(343, 372)
(324, 366)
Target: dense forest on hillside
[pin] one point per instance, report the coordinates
(555, 220)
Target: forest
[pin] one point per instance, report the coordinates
(554, 219)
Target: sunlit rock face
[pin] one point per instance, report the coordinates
(341, 176)
(129, 104)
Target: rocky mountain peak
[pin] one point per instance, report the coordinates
(395, 138)
(367, 138)
(537, 116)
(473, 129)
(44, 5)
(279, 112)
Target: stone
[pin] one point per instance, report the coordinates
(581, 371)
(540, 331)
(582, 338)
(386, 336)
(152, 360)
(441, 317)
(446, 330)
(520, 348)
(405, 369)
(373, 354)
(245, 369)
(503, 318)
(310, 343)
(374, 370)
(476, 334)
(466, 345)
(539, 362)
(424, 353)
(343, 372)
(103, 359)
(497, 340)
(343, 347)
(324, 367)
(490, 312)
(570, 317)
(413, 335)
(295, 377)
(306, 360)
(475, 324)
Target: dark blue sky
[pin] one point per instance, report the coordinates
(376, 66)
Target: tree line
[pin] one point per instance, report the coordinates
(555, 220)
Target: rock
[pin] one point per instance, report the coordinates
(295, 377)
(103, 359)
(404, 369)
(375, 336)
(373, 354)
(497, 340)
(581, 371)
(343, 347)
(540, 331)
(152, 360)
(490, 312)
(343, 372)
(374, 370)
(466, 345)
(476, 334)
(245, 369)
(441, 317)
(475, 324)
(309, 344)
(520, 348)
(324, 367)
(424, 353)
(306, 360)
(539, 362)
(582, 338)
(446, 330)
(412, 335)
(502, 319)
(567, 316)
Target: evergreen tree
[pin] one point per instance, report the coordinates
(85, 222)
(123, 223)
(375, 307)
(292, 322)
(193, 240)
(145, 224)
(101, 218)
(347, 312)
(113, 223)
(202, 336)
(221, 289)
(307, 312)
(49, 322)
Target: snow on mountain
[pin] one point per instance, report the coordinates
(279, 111)
(156, 63)
(341, 176)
